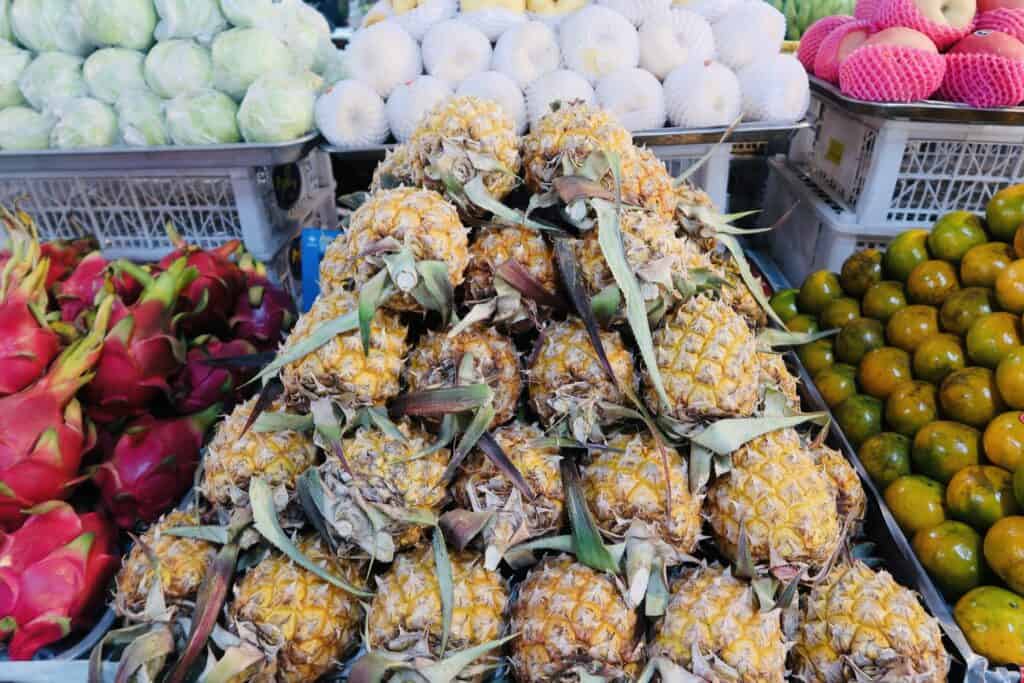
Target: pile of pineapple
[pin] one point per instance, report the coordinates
(550, 442)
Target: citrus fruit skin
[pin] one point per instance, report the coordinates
(886, 457)
(910, 407)
(910, 326)
(952, 554)
(1004, 440)
(857, 338)
(1010, 288)
(943, 448)
(1018, 241)
(970, 396)
(860, 271)
(981, 495)
(992, 618)
(1004, 551)
(882, 299)
(817, 355)
(819, 288)
(907, 250)
(838, 312)
(836, 383)
(916, 502)
(881, 370)
(932, 282)
(963, 307)
(803, 323)
(954, 234)
(991, 337)
(783, 303)
(938, 356)
(1010, 378)
(860, 418)
(982, 264)
(1005, 213)
(1018, 486)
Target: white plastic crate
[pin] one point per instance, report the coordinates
(909, 173)
(712, 177)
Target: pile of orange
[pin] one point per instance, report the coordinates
(926, 378)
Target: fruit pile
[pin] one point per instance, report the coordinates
(926, 378)
(526, 424)
(108, 385)
(968, 51)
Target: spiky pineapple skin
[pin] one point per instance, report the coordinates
(708, 362)
(738, 295)
(405, 614)
(316, 622)
(646, 182)
(628, 483)
(495, 246)
(861, 617)
(569, 615)
(184, 563)
(399, 167)
(779, 495)
(774, 373)
(232, 459)
(436, 360)
(717, 615)
(850, 497)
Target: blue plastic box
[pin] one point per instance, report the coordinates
(314, 243)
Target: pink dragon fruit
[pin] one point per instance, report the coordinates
(43, 434)
(208, 300)
(152, 466)
(141, 352)
(78, 292)
(64, 256)
(27, 344)
(265, 311)
(54, 572)
(200, 385)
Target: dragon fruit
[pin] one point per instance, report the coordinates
(27, 344)
(78, 292)
(64, 257)
(141, 351)
(152, 466)
(199, 385)
(265, 311)
(53, 573)
(43, 434)
(209, 299)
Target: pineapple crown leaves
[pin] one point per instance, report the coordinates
(771, 338)
(445, 584)
(696, 166)
(669, 671)
(322, 335)
(233, 665)
(125, 637)
(477, 193)
(377, 668)
(460, 526)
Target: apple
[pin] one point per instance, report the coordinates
(990, 42)
(907, 37)
(955, 13)
(989, 5)
(851, 42)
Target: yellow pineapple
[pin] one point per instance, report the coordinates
(627, 484)
(708, 362)
(495, 245)
(857, 617)
(438, 360)
(647, 183)
(232, 460)
(776, 375)
(713, 626)
(399, 167)
(340, 369)
(850, 497)
(183, 563)
(567, 381)
(568, 617)
(305, 624)
(737, 294)
(482, 487)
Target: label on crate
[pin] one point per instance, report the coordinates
(834, 151)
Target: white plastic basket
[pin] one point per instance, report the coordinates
(712, 177)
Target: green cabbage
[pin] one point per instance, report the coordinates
(304, 30)
(112, 71)
(84, 122)
(199, 19)
(49, 26)
(178, 67)
(242, 55)
(140, 118)
(245, 13)
(279, 107)
(5, 21)
(118, 23)
(203, 118)
(24, 128)
(13, 61)
(51, 77)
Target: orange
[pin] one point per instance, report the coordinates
(860, 271)
(910, 407)
(991, 337)
(819, 288)
(992, 618)
(937, 356)
(857, 338)
(943, 448)
(1010, 287)
(817, 355)
(970, 396)
(954, 235)
(1005, 212)
(1004, 440)
(963, 307)
(981, 495)
(836, 383)
(1010, 378)
(910, 326)
(882, 299)
(916, 502)
(907, 250)
(886, 457)
(860, 418)
(982, 264)
(932, 282)
(952, 554)
(882, 370)
(1004, 551)
(1018, 242)
(838, 312)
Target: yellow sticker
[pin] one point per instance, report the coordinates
(834, 153)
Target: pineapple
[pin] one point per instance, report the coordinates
(303, 623)
(340, 369)
(627, 484)
(232, 460)
(437, 361)
(482, 487)
(774, 373)
(738, 296)
(714, 628)
(400, 167)
(496, 245)
(850, 497)
(567, 381)
(647, 183)
(403, 218)
(569, 617)
(183, 563)
(405, 615)
(708, 362)
(857, 617)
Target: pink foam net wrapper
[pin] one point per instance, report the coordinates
(891, 73)
(811, 40)
(1004, 19)
(905, 13)
(866, 9)
(826, 65)
(983, 80)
